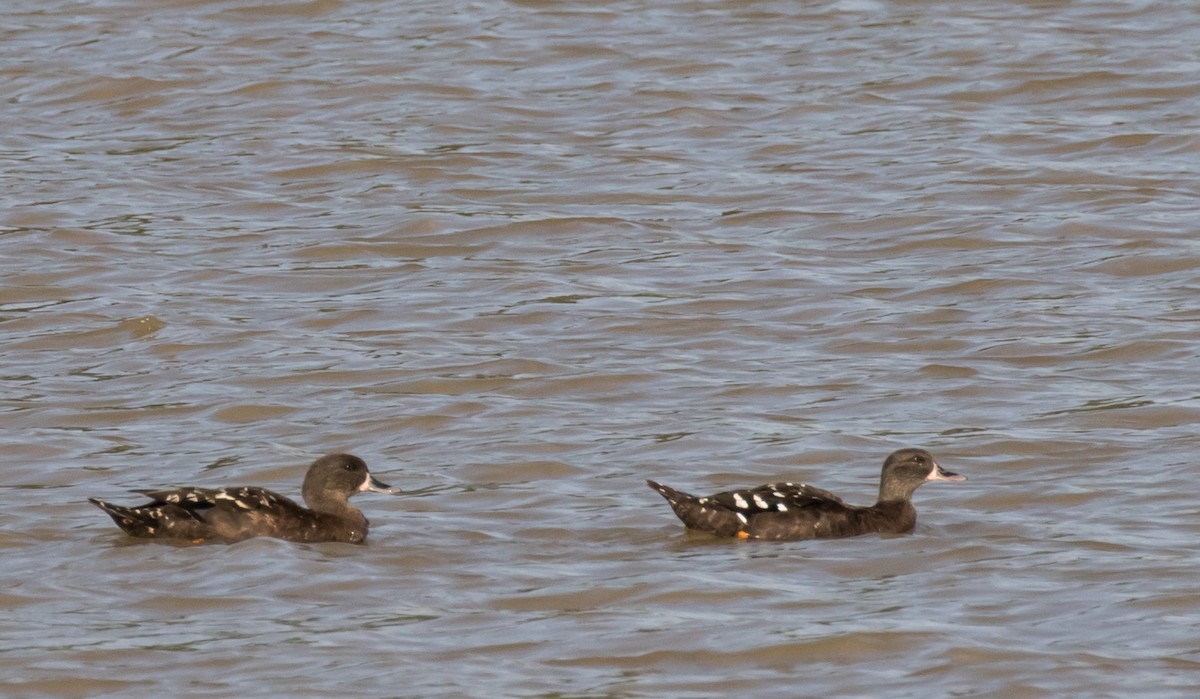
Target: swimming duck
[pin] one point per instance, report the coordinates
(790, 511)
(226, 515)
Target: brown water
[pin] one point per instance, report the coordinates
(521, 256)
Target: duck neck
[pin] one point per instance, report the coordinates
(890, 517)
(892, 491)
(320, 501)
(335, 519)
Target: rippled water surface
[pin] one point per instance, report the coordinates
(521, 256)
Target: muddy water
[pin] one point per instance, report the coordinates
(521, 256)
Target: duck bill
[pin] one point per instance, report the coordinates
(941, 474)
(375, 485)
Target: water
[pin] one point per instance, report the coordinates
(521, 256)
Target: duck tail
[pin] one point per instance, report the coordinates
(703, 514)
(673, 496)
(134, 520)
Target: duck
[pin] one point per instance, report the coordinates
(229, 515)
(795, 511)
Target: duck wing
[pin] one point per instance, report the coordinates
(245, 499)
(203, 514)
(777, 497)
(794, 505)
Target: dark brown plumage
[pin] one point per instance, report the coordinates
(226, 515)
(789, 511)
